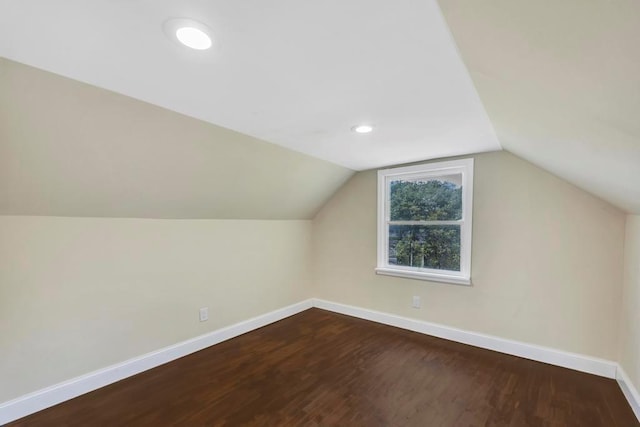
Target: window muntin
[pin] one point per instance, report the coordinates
(424, 221)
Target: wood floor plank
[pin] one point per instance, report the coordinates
(319, 368)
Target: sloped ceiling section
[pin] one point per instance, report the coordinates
(561, 84)
(70, 149)
(296, 73)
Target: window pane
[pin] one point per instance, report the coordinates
(426, 199)
(425, 246)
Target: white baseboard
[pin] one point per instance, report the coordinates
(47, 397)
(578, 362)
(629, 391)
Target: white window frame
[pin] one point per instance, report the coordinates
(463, 167)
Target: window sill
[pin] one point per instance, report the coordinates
(419, 275)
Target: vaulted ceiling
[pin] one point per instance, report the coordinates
(555, 83)
(71, 149)
(296, 73)
(561, 83)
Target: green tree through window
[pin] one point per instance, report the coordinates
(425, 201)
(425, 220)
(425, 245)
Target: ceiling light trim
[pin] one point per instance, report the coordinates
(362, 129)
(173, 25)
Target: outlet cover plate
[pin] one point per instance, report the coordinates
(416, 302)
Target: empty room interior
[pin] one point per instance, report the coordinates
(329, 213)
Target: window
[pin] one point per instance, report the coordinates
(424, 221)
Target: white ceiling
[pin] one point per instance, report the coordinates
(295, 73)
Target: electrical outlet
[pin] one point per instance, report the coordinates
(204, 314)
(416, 302)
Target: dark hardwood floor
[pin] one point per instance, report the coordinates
(323, 369)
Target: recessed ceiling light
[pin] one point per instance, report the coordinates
(190, 33)
(362, 128)
(193, 38)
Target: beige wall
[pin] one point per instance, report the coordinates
(78, 294)
(630, 324)
(546, 263)
(71, 149)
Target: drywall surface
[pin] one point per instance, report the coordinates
(546, 260)
(71, 149)
(560, 81)
(79, 294)
(630, 322)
